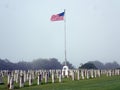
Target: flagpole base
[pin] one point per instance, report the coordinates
(65, 71)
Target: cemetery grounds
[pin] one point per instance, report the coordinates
(100, 83)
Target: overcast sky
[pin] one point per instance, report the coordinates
(93, 30)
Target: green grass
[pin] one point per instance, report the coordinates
(102, 83)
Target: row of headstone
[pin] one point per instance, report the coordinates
(91, 73)
(21, 77)
(84, 73)
(113, 72)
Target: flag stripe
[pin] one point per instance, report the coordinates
(57, 17)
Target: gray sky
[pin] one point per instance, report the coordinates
(93, 30)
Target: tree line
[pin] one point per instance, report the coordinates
(51, 63)
(100, 65)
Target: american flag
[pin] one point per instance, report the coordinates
(58, 17)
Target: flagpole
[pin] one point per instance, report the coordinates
(65, 38)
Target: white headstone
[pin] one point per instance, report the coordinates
(91, 72)
(99, 73)
(2, 72)
(17, 77)
(39, 79)
(88, 74)
(33, 75)
(73, 75)
(21, 81)
(60, 77)
(78, 74)
(110, 73)
(25, 76)
(53, 77)
(30, 79)
(1, 80)
(11, 83)
(8, 80)
(82, 74)
(46, 77)
(57, 73)
(95, 73)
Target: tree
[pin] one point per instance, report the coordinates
(70, 66)
(54, 64)
(112, 65)
(88, 66)
(98, 64)
(46, 64)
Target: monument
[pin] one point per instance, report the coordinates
(65, 71)
(62, 17)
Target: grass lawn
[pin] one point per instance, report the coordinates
(102, 83)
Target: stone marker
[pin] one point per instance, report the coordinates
(65, 71)
(53, 77)
(17, 77)
(78, 75)
(60, 77)
(39, 79)
(30, 79)
(82, 74)
(73, 75)
(8, 79)
(46, 77)
(1, 80)
(25, 76)
(21, 80)
(11, 83)
(87, 73)
(91, 72)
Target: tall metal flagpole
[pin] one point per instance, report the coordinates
(65, 37)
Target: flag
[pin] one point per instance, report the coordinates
(58, 17)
